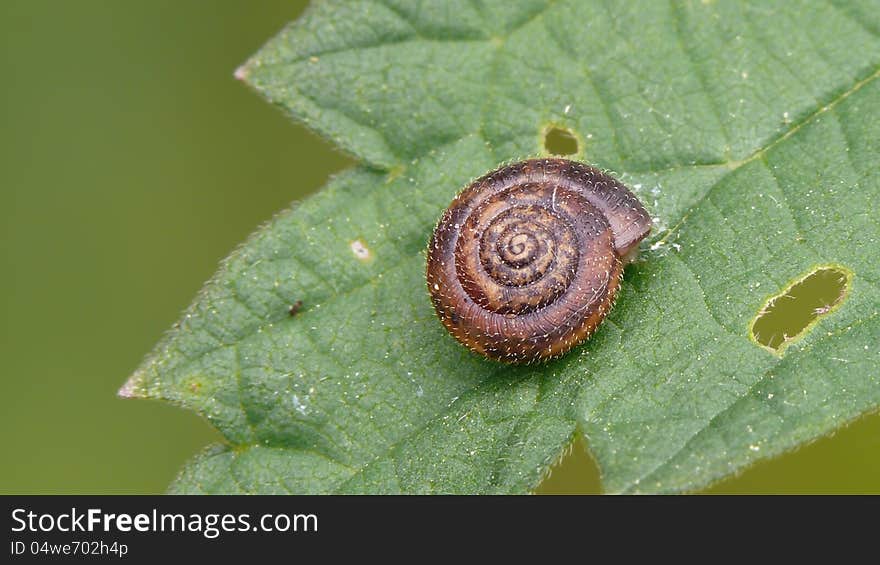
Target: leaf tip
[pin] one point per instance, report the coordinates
(132, 388)
(241, 73)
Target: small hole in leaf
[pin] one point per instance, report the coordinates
(787, 316)
(560, 141)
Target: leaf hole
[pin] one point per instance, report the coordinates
(788, 316)
(560, 141)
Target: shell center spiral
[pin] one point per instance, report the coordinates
(518, 246)
(530, 253)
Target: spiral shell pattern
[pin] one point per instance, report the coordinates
(527, 260)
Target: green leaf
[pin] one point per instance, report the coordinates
(750, 129)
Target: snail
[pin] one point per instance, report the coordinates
(527, 260)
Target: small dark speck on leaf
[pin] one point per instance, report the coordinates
(295, 308)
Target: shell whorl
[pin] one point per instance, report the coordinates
(526, 261)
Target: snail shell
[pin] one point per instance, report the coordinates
(526, 261)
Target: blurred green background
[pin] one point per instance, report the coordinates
(131, 162)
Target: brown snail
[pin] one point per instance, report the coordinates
(526, 261)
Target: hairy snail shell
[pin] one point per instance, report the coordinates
(526, 261)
